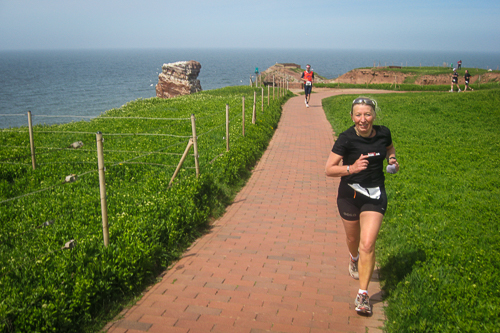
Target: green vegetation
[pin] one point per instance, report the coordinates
(45, 288)
(439, 247)
(419, 71)
(405, 86)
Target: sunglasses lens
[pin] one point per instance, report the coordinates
(363, 100)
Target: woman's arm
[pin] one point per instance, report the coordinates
(391, 152)
(333, 169)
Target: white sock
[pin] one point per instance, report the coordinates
(361, 291)
(354, 258)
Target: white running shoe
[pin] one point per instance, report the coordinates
(459, 90)
(353, 269)
(362, 303)
(307, 105)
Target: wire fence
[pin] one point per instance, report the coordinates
(209, 128)
(209, 115)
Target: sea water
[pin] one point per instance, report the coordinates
(90, 82)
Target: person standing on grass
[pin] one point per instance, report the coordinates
(467, 79)
(362, 200)
(308, 78)
(459, 63)
(454, 80)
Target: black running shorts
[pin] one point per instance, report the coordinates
(307, 89)
(351, 204)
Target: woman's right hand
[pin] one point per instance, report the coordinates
(360, 164)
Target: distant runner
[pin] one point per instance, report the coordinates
(308, 78)
(467, 79)
(454, 80)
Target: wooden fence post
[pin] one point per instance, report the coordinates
(268, 95)
(262, 100)
(243, 116)
(186, 151)
(273, 87)
(253, 112)
(32, 142)
(227, 127)
(195, 145)
(102, 188)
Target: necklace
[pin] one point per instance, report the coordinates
(368, 136)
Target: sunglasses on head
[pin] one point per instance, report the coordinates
(363, 100)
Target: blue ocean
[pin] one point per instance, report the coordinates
(90, 82)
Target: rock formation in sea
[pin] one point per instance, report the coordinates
(178, 78)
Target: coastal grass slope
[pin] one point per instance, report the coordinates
(439, 246)
(46, 286)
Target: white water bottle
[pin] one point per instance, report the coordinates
(391, 168)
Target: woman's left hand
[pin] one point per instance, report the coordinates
(394, 162)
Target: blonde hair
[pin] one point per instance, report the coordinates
(363, 100)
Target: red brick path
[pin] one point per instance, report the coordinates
(277, 260)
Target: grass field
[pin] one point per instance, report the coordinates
(45, 288)
(439, 246)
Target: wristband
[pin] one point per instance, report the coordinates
(349, 172)
(392, 157)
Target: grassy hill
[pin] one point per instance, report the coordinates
(47, 286)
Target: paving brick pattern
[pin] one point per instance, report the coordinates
(277, 260)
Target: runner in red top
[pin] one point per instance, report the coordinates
(308, 78)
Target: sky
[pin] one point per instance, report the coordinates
(425, 25)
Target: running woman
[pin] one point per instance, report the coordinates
(357, 157)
